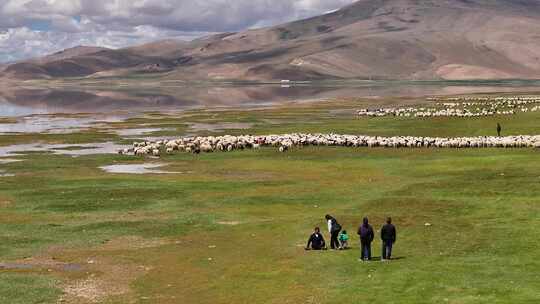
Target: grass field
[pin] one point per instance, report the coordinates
(230, 227)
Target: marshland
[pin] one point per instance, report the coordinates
(81, 223)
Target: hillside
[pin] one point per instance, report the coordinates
(376, 39)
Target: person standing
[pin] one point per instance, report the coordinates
(333, 228)
(316, 240)
(365, 231)
(388, 237)
(499, 129)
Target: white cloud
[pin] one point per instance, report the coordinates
(118, 23)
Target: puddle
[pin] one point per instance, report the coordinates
(62, 149)
(342, 112)
(14, 150)
(47, 124)
(140, 131)
(56, 266)
(16, 266)
(87, 149)
(220, 126)
(4, 174)
(9, 160)
(137, 169)
(153, 138)
(229, 223)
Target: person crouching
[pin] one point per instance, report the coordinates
(343, 240)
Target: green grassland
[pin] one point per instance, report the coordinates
(230, 227)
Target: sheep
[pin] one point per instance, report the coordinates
(206, 147)
(285, 142)
(462, 108)
(141, 151)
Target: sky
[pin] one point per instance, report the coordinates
(31, 28)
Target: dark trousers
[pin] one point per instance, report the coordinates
(334, 243)
(365, 250)
(387, 250)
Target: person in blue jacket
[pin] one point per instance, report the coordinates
(365, 231)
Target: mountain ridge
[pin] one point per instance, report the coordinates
(369, 39)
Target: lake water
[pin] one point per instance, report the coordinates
(19, 102)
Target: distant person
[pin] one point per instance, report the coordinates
(365, 231)
(343, 240)
(316, 240)
(499, 129)
(388, 237)
(333, 228)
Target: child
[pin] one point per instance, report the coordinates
(343, 240)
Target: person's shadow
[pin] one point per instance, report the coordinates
(378, 258)
(398, 258)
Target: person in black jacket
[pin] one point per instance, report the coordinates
(499, 129)
(316, 241)
(365, 231)
(333, 228)
(388, 237)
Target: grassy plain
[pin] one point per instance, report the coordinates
(230, 227)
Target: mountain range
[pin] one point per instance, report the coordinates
(369, 39)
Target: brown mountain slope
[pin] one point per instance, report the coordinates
(379, 39)
(67, 54)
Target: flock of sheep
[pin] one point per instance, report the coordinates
(285, 142)
(462, 107)
(452, 106)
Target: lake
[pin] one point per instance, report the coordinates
(18, 102)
